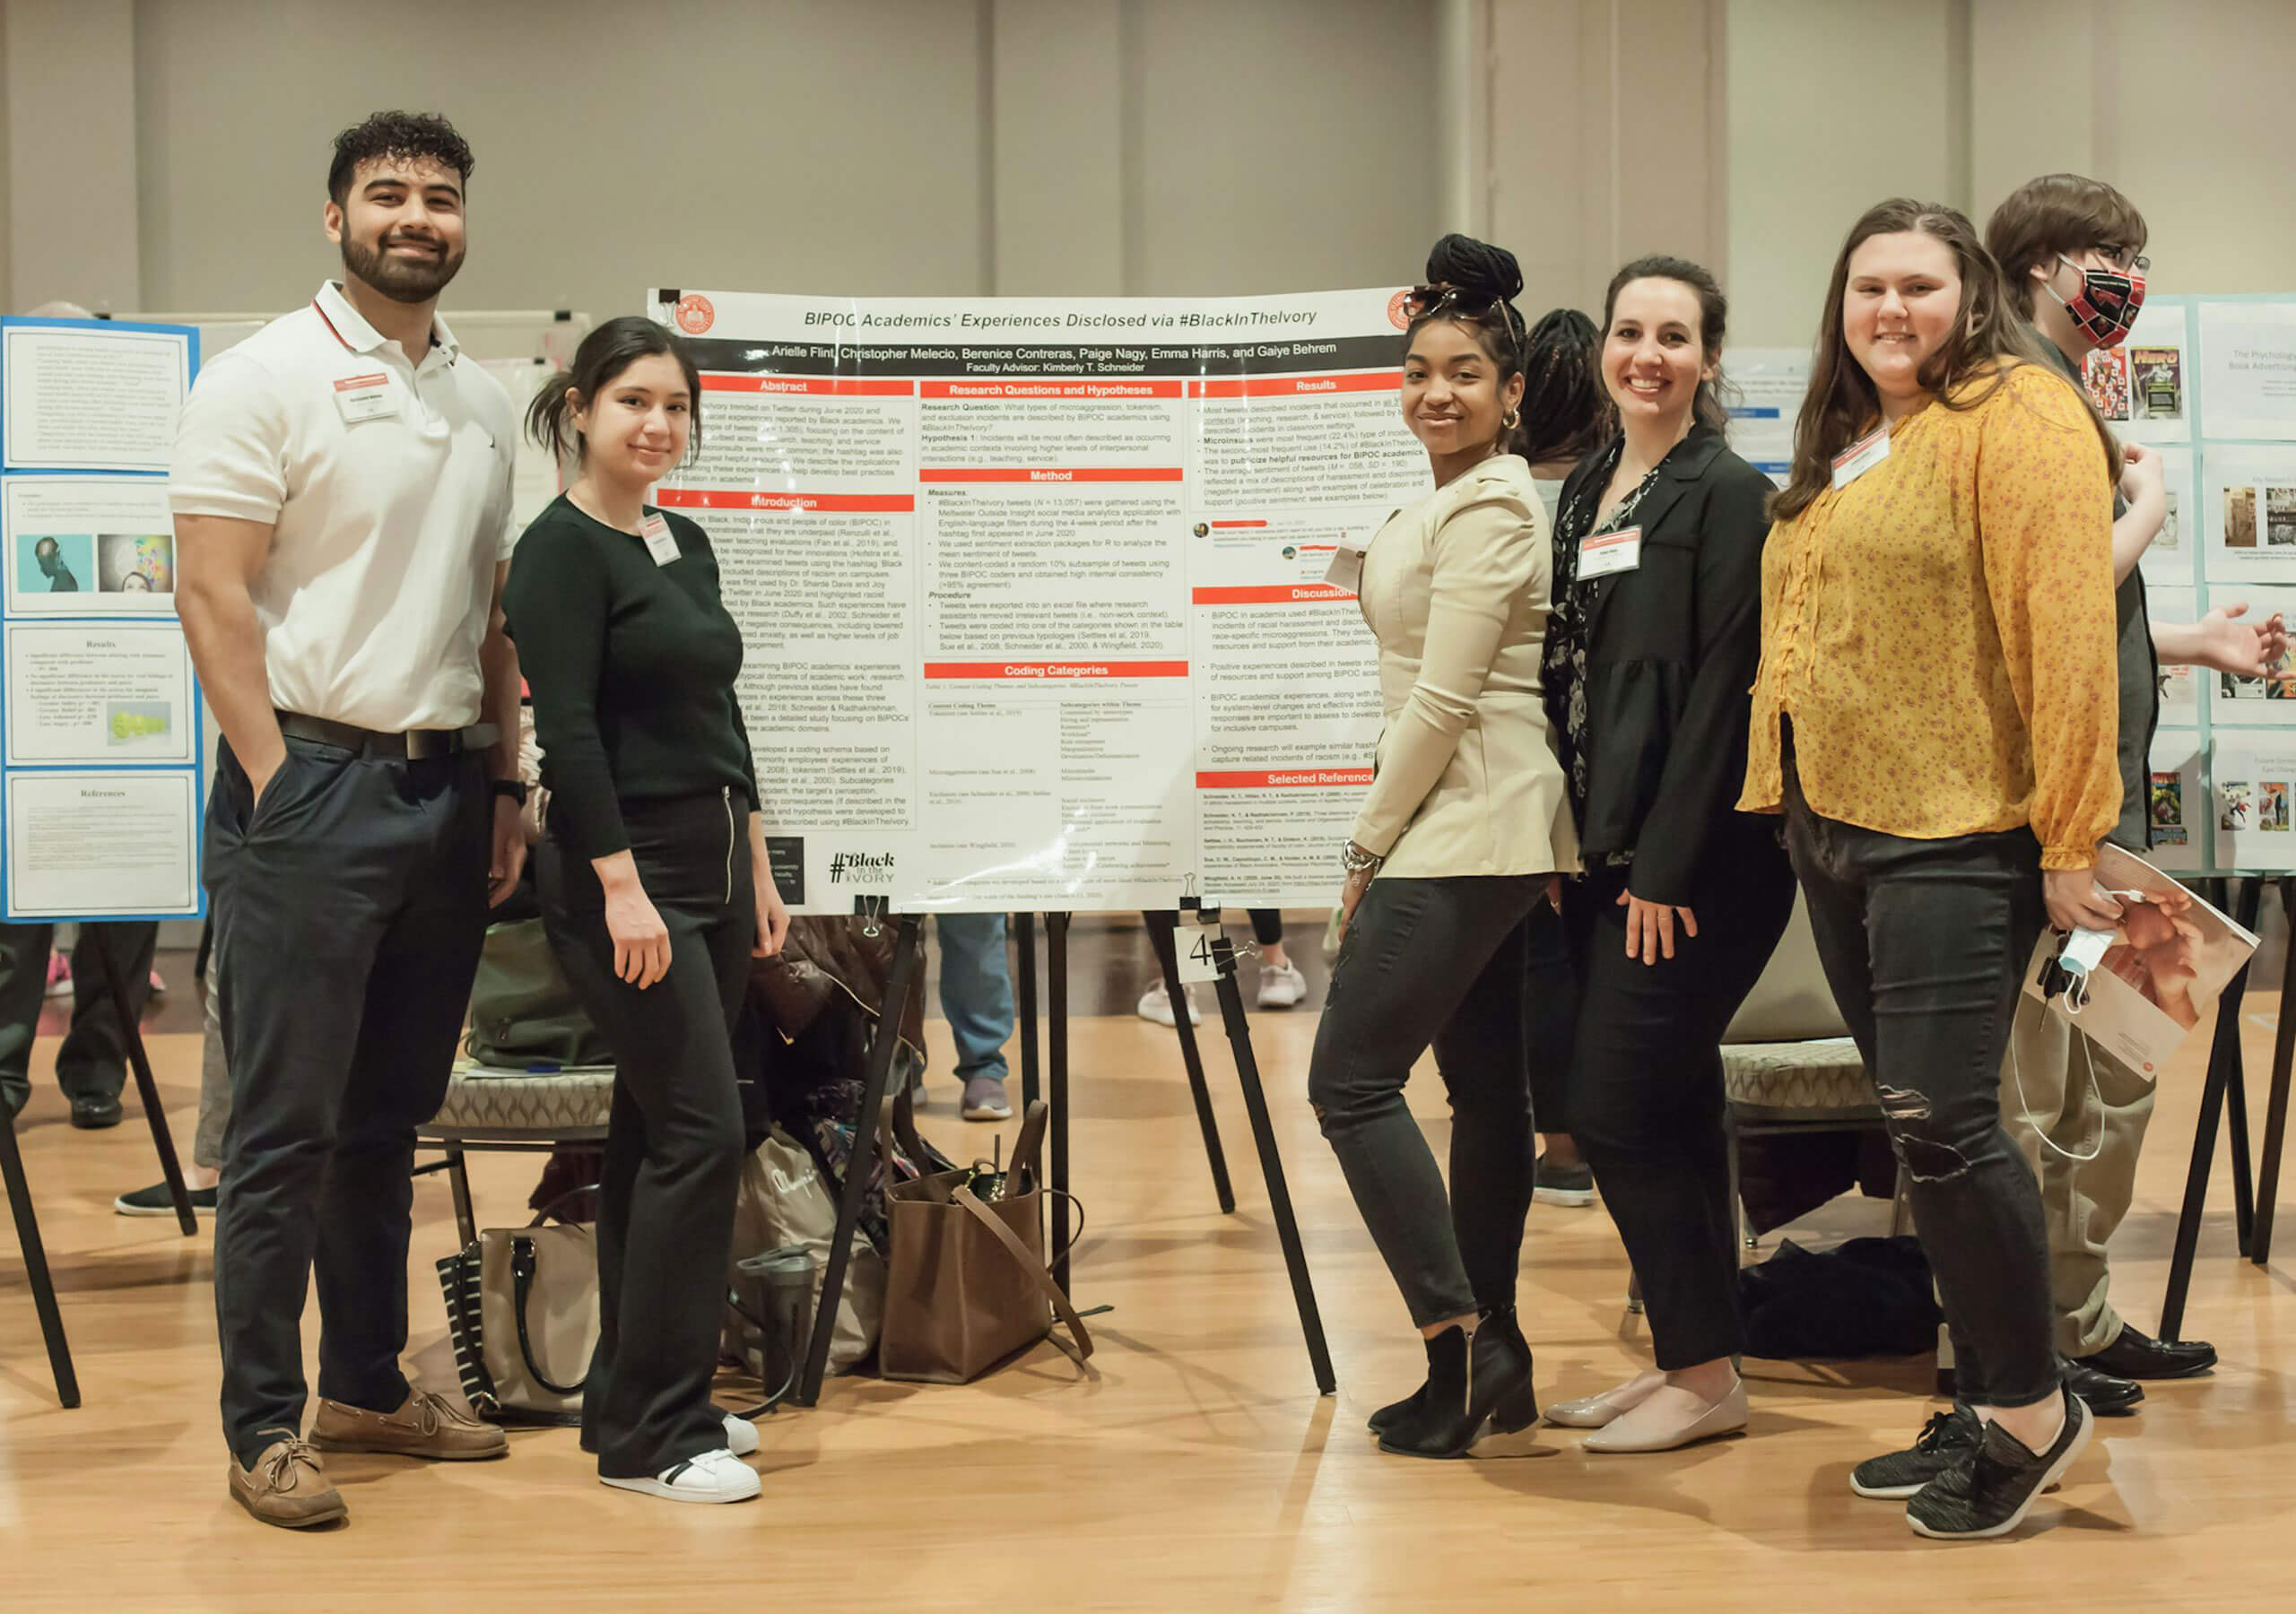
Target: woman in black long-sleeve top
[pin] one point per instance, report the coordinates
(655, 888)
(1656, 637)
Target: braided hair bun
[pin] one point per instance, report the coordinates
(1472, 265)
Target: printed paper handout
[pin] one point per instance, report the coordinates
(2170, 956)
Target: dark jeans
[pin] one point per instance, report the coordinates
(349, 912)
(1550, 979)
(673, 1144)
(1645, 1085)
(1267, 927)
(1925, 943)
(1438, 961)
(93, 1062)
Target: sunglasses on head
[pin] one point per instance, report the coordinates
(1420, 302)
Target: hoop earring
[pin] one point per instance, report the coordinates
(1511, 419)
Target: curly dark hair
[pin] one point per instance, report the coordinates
(395, 134)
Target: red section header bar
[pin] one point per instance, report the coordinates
(736, 498)
(1103, 473)
(1085, 391)
(1056, 670)
(1287, 593)
(1238, 523)
(1312, 779)
(1296, 387)
(849, 387)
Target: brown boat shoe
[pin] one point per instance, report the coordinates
(287, 1486)
(426, 1426)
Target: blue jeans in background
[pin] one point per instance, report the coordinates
(976, 990)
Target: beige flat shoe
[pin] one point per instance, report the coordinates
(1724, 1417)
(1593, 1412)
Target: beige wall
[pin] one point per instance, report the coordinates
(1833, 106)
(167, 153)
(875, 146)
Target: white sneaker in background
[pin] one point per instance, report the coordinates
(1156, 1005)
(716, 1476)
(741, 1436)
(1282, 986)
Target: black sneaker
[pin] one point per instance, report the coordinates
(1563, 1184)
(155, 1200)
(1944, 1440)
(1990, 1490)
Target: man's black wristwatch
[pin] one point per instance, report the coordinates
(516, 789)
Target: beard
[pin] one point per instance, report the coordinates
(402, 280)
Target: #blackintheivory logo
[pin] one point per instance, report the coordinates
(860, 868)
(695, 314)
(1395, 309)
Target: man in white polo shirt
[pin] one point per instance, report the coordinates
(342, 496)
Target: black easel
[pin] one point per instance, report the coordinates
(879, 1063)
(2226, 1089)
(51, 1319)
(20, 1197)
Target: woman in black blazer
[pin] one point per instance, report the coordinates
(1656, 637)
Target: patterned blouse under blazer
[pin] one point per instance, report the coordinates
(1454, 587)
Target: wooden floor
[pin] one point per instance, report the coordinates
(1194, 1468)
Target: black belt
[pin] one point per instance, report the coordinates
(414, 745)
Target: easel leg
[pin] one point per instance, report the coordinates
(51, 1319)
(1024, 936)
(2223, 1057)
(2275, 1117)
(1055, 947)
(875, 1071)
(131, 1038)
(1160, 928)
(1271, 1165)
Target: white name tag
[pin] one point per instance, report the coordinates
(1860, 457)
(660, 541)
(1346, 570)
(1608, 552)
(367, 397)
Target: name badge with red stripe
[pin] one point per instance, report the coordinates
(1860, 457)
(1607, 552)
(660, 541)
(367, 397)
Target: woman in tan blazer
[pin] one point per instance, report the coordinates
(1458, 841)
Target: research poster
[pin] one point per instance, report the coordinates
(2247, 353)
(101, 774)
(1767, 386)
(2177, 809)
(1032, 590)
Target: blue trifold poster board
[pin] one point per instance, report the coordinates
(103, 776)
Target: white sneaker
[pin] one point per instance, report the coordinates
(1282, 986)
(1156, 1005)
(741, 1436)
(716, 1476)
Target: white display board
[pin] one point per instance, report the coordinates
(1031, 589)
(102, 781)
(2209, 383)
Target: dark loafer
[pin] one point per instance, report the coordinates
(2106, 1395)
(93, 1114)
(2135, 1355)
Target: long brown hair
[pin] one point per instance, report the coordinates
(1713, 325)
(1990, 338)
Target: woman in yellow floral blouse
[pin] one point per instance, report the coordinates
(1936, 716)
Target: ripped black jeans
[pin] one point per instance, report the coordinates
(1925, 943)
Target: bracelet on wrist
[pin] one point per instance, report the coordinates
(1354, 860)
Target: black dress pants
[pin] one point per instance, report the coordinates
(349, 911)
(1645, 1089)
(1441, 962)
(673, 1144)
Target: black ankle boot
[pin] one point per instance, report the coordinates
(1410, 1407)
(1470, 1384)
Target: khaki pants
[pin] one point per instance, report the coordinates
(2077, 1100)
